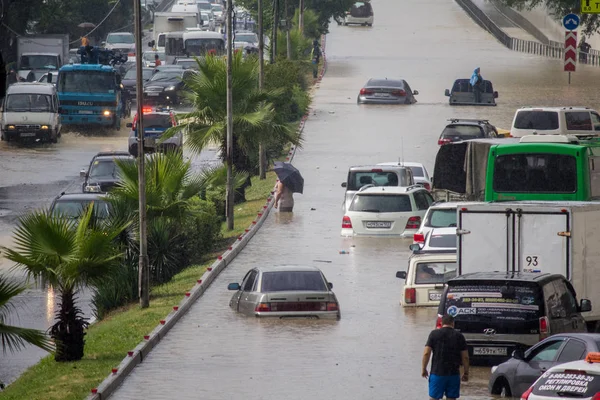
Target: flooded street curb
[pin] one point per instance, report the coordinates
(141, 351)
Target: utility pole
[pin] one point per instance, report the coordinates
(262, 156)
(301, 16)
(229, 191)
(144, 270)
(275, 28)
(288, 38)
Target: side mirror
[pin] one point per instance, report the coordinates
(415, 247)
(233, 286)
(401, 274)
(49, 77)
(330, 285)
(415, 92)
(585, 305)
(447, 93)
(518, 354)
(129, 125)
(83, 173)
(344, 184)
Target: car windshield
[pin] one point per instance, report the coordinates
(442, 241)
(217, 7)
(417, 171)
(73, 209)
(246, 37)
(28, 103)
(462, 132)
(284, 281)
(381, 203)
(167, 76)
(188, 64)
(361, 9)
(38, 62)
(103, 169)
(535, 173)
(438, 272)
(199, 47)
(359, 179)
(442, 218)
(86, 82)
(538, 120)
(567, 384)
(151, 56)
(119, 38)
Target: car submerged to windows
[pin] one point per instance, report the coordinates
(285, 292)
(102, 174)
(467, 129)
(386, 91)
(462, 94)
(73, 205)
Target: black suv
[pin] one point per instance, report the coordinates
(102, 174)
(500, 312)
(466, 129)
(72, 205)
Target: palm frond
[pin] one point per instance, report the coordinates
(13, 338)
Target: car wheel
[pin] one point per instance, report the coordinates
(133, 150)
(503, 389)
(54, 139)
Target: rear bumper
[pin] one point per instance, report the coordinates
(354, 20)
(331, 315)
(370, 100)
(161, 97)
(409, 233)
(496, 359)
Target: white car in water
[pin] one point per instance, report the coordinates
(419, 172)
(386, 211)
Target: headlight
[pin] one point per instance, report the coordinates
(170, 88)
(44, 127)
(11, 127)
(494, 368)
(107, 113)
(92, 189)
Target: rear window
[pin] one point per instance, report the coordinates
(463, 132)
(428, 273)
(443, 218)
(293, 281)
(361, 10)
(567, 384)
(507, 307)
(73, 209)
(538, 120)
(157, 121)
(442, 241)
(381, 203)
(535, 173)
(359, 179)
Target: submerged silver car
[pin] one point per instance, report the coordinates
(386, 91)
(285, 292)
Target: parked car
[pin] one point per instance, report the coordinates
(515, 376)
(103, 173)
(129, 81)
(166, 86)
(426, 276)
(439, 215)
(462, 94)
(156, 122)
(500, 312)
(361, 13)
(285, 292)
(386, 91)
(467, 129)
(72, 205)
(386, 211)
(377, 175)
(437, 239)
(576, 380)
(419, 172)
(555, 121)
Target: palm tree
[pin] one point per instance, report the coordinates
(13, 338)
(68, 255)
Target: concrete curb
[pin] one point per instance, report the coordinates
(141, 351)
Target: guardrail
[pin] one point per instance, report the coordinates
(485, 22)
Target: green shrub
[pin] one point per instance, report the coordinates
(287, 75)
(302, 99)
(201, 230)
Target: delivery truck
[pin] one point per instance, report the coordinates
(165, 22)
(546, 237)
(41, 53)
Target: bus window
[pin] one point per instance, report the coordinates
(535, 173)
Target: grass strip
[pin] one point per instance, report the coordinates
(109, 340)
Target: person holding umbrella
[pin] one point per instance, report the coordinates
(290, 182)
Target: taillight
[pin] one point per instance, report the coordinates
(544, 328)
(410, 295)
(332, 307)
(346, 222)
(596, 396)
(427, 186)
(442, 142)
(525, 396)
(413, 223)
(419, 238)
(399, 93)
(262, 307)
(364, 91)
(438, 322)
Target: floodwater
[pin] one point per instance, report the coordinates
(375, 350)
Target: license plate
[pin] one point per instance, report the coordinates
(27, 134)
(378, 224)
(152, 94)
(382, 95)
(86, 112)
(435, 296)
(490, 351)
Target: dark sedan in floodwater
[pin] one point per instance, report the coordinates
(515, 376)
(285, 292)
(386, 91)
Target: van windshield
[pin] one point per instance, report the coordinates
(378, 177)
(28, 103)
(507, 307)
(538, 120)
(535, 173)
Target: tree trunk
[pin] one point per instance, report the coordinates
(275, 28)
(262, 155)
(288, 37)
(301, 16)
(69, 330)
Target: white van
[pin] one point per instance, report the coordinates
(555, 121)
(30, 111)
(361, 13)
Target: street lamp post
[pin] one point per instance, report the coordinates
(144, 273)
(229, 191)
(262, 158)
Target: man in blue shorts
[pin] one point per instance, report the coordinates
(449, 349)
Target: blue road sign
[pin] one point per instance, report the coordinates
(571, 22)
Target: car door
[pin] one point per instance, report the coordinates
(235, 300)
(246, 302)
(537, 361)
(574, 321)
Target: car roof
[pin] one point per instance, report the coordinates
(451, 204)
(31, 88)
(467, 123)
(287, 268)
(506, 276)
(112, 154)
(80, 196)
(403, 164)
(385, 82)
(389, 190)
(373, 166)
(577, 108)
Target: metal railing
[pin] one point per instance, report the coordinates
(531, 47)
(485, 22)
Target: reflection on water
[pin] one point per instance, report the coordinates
(50, 305)
(284, 217)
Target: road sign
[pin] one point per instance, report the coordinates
(590, 6)
(570, 50)
(571, 21)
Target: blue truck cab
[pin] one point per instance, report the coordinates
(90, 94)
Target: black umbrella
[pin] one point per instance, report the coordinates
(289, 176)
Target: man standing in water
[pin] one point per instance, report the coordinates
(477, 84)
(449, 349)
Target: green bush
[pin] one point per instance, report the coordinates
(201, 230)
(286, 75)
(302, 99)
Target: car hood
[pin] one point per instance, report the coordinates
(128, 82)
(163, 84)
(32, 118)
